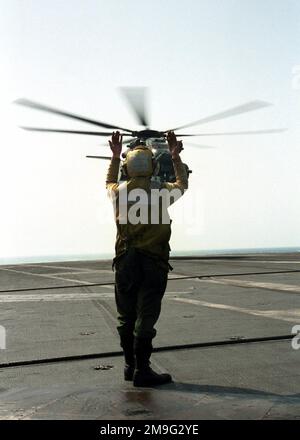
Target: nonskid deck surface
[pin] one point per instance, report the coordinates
(63, 361)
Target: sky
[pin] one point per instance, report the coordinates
(197, 58)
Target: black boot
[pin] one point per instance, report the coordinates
(127, 345)
(144, 376)
(128, 372)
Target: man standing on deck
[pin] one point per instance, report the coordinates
(142, 254)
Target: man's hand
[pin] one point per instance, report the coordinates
(175, 146)
(116, 144)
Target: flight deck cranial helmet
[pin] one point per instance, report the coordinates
(139, 162)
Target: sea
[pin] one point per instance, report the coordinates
(176, 253)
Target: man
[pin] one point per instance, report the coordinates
(141, 262)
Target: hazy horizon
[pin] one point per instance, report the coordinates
(110, 255)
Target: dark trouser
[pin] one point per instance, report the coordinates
(139, 289)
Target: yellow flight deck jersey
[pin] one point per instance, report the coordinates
(151, 239)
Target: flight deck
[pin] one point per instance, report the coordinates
(226, 334)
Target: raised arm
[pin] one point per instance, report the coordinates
(175, 148)
(113, 171)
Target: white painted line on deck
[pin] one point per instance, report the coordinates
(55, 267)
(38, 297)
(283, 315)
(48, 276)
(270, 261)
(291, 288)
(71, 280)
(177, 275)
(54, 297)
(99, 271)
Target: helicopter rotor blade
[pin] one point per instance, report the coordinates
(124, 142)
(136, 98)
(54, 130)
(99, 157)
(129, 140)
(237, 133)
(190, 144)
(244, 108)
(37, 106)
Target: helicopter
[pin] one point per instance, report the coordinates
(153, 139)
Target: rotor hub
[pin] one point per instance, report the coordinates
(146, 134)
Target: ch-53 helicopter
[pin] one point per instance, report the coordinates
(153, 139)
